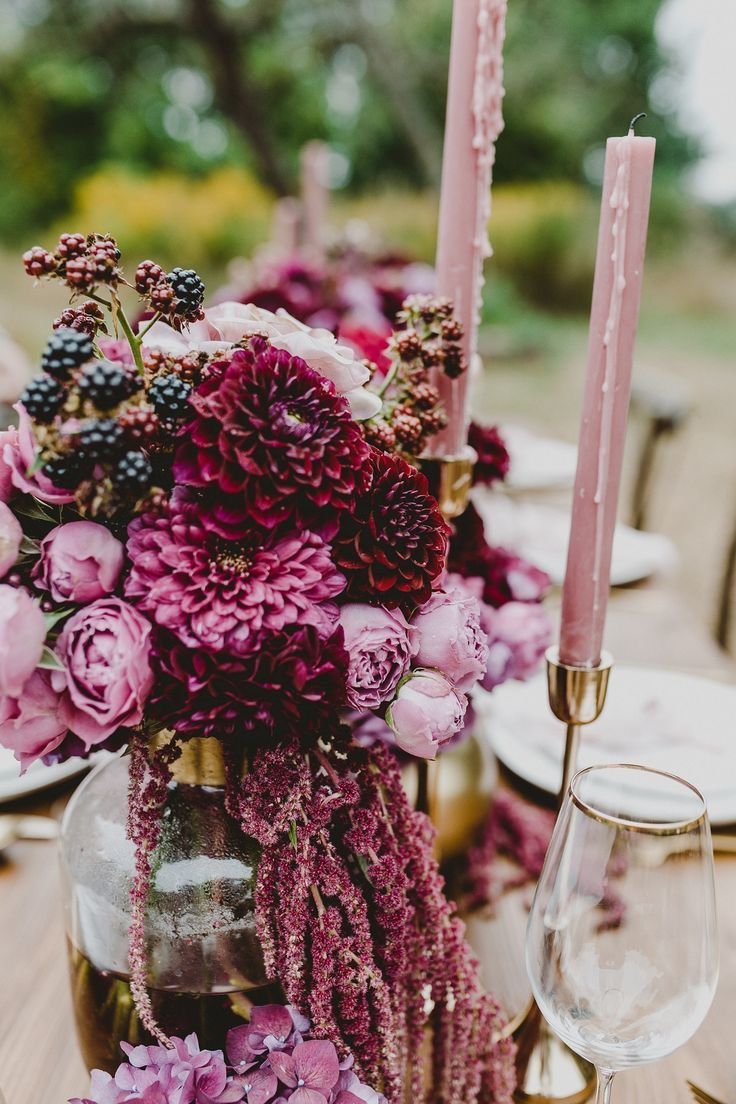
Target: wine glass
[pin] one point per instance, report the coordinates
(621, 945)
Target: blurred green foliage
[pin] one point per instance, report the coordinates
(191, 86)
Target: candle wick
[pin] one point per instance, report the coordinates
(635, 120)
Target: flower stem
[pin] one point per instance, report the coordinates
(133, 341)
(388, 379)
(142, 333)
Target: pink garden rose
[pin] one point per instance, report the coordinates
(451, 638)
(426, 713)
(11, 535)
(79, 562)
(380, 644)
(22, 635)
(228, 323)
(31, 724)
(17, 458)
(105, 648)
(519, 633)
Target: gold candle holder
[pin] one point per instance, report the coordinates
(450, 478)
(548, 1071)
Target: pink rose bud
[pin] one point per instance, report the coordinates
(30, 724)
(426, 713)
(22, 635)
(19, 455)
(519, 634)
(11, 536)
(380, 643)
(105, 648)
(8, 451)
(451, 638)
(80, 562)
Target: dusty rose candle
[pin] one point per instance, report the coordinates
(614, 315)
(315, 157)
(473, 123)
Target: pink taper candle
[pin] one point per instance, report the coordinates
(622, 237)
(473, 123)
(315, 165)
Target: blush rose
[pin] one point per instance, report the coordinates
(80, 562)
(380, 644)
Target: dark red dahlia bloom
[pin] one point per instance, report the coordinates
(292, 684)
(506, 577)
(493, 456)
(392, 547)
(273, 441)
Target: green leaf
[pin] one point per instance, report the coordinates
(35, 466)
(292, 835)
(30, 547)
(32, 508)
(54, 618)
(50, 661)
(364, 866)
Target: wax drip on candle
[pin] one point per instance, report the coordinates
(620, 204)
(488, 93)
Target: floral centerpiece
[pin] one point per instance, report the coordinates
(212, 529)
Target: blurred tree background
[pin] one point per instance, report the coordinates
(197, 87)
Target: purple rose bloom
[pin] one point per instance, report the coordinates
(380, 643)
(19, 456)
(11, 535)
(22, 635)
(426, 713)
(519, 634)
(31, 724)
(105, 648)
(451, 638)
(79, 562)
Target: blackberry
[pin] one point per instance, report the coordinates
(104, 254)
(170, 397)
(188, 291)
(147, 275)
(39, 262)
(140, 423)
(453, 361)
(161, 296)
(71, 245)
(42, 398)
(106, 384)
(132, 473)
(102, 439)
(66, 350)
(86, 318)
(67, 471)
(407, 427)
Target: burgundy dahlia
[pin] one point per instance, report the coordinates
(291, 684)
(220, 595)
(493, 457)
(273, 442)
(392, 547)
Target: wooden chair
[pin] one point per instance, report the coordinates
(663, 407)
(727, 595)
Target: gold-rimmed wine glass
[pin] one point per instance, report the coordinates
(631, 993)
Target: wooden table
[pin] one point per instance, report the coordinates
(39, 1061)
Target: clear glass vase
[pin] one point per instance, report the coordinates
(205, 966)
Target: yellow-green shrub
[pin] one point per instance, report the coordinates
(200, 222)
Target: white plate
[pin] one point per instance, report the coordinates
(541, 533)
(664, 719)
(13, 784)
(538, 463)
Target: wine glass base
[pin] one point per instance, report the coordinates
(548, 1072)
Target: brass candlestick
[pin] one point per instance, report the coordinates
(451, 479)
(548, 1072)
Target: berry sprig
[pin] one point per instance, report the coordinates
(101, 425)
(429, 338)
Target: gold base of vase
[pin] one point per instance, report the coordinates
(548, 1072)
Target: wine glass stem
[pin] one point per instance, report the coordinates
(605, 1081)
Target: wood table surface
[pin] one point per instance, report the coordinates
(39, 1060)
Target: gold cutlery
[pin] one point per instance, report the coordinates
(701, 1096)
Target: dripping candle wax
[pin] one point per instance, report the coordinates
(472, 126)
(622, 236)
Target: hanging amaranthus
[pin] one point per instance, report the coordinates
(354, 922)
